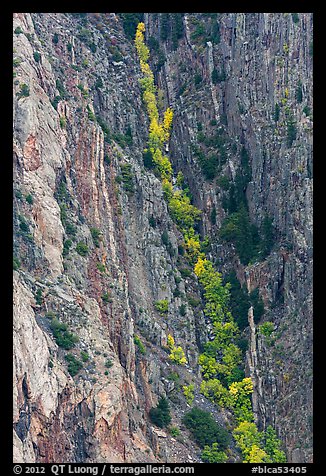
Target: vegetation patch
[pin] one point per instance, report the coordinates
(162, 306)
(160, 415)
(177, 354)
(82, 249)
(74, 365)
(139, 344)
(63, 337)
(204, 429)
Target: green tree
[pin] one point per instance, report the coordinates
(63, 337)
(216, 392)
(266, 328)
(188, 391)
(213, 454)
(246, 435)
(240, 399)
(273, 446)
(204, 429)
(160, 415)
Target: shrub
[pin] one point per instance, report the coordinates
(82, 249)
(55, 102)
(266, 328)
(74, 365)
(50, 315)
(63, 337)
(183, 213)
(127, 177)
(66, 247)
(194, 302)
(185, 272)
(177, 354)
(188, 391)
(139, 344)
(291, 132)
(218, 77)
(177, 292)
(148, 159)
(101, 267)
(63, 122)
(24, 91)
(152, 221)
(37, 56)
(84, 356)
(165, 238)
(216, 294)
(29, 199)
(204, 429)
(90, 114)
(199, 32)
(174, 431)
(173, 376)
(106, 297)
(38, 297)
(160, 415)
(198, 79)
(162, 306)
(96, 235)
(61, 89)
(98, 83)
(16, 263)
(215, 391)
(18, 30)
(70, 229)
(210, 166)
(295, 18)
(223, 182)
(55, 38)
(276, 112)
(183, 310)
(212, 454)
(108, 363)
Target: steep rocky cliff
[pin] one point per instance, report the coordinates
(95, 248)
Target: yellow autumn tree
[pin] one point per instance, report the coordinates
(142, 49)
(167, 122)
(177, 354)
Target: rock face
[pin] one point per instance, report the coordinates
(97, 248)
